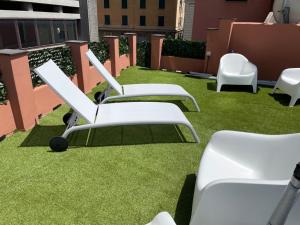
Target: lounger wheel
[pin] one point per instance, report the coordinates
(98, 95)
(66, 118)
(58, 144)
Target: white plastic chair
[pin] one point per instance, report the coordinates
(137, 90)
(289, 83)
(235, 69)
(105, 115)
(163, 218)
(242, 177)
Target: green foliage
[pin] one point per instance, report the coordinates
(123, 45)
(100, 49)
(60, 55)
(2, 93)
(144, 54)
(182, 48)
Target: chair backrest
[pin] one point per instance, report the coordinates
(233, 62)
(103, 71)
(52, 75)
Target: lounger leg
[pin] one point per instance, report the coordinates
(293, 101)
(195, 103)
(196, 138)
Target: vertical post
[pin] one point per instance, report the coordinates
(81, 62)
(113, 42)
(17, 78)
(156, 49)
(132, 48)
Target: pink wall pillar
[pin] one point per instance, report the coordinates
(217, 44)
(156, 49)
(17, 78)
(132, 48)
(81, 63)
(113, 42)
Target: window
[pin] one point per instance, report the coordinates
(161, 21)
(143, 4)
(59, 31)
(8, 36)
(142, 20)
(106, 4)
(107, 19)
(71, 30)
(44, 32)
(27, 33)
(124, 20)
(124, 4)
(161, 4)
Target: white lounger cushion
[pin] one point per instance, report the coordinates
(140, 113)
(154, 89)
(66, 89)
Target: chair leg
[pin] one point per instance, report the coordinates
(293, 101)
(275, 88)
(219, 86)
(254, 88)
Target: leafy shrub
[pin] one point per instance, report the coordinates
(60, 55)
(144, 54)
(183, 48)
(3, 96)
(100, 49)
(123, 45)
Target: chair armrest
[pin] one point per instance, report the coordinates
(248, 68)
(227, 202)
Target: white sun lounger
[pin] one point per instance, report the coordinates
(137, 90)
(105, 115)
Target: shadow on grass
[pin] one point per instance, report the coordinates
(144, 68)
(185, 201)
(108, 136)
(212, 86)
(283, 99)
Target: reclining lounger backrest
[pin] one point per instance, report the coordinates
(52, 75)
(103, 71)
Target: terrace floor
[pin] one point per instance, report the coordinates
(126, 175)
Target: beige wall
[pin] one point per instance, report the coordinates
(134, 12)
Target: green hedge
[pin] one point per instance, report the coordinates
(100, 49)
(182, 48)
(60, 55)
(144, 54)
(3, 96)
(123, 45)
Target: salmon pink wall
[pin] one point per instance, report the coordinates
(124, 62)
(172, 63)
(272, 47)
(6, 115)
(208, 12)
(95, 77)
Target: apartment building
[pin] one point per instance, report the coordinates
(33, 23)
(141, 16)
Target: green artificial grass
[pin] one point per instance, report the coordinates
(126, 175)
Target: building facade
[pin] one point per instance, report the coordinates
(208, 12)
(188, 19)
(141, 16)
(33, 23)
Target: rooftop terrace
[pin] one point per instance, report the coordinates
(131, 173)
